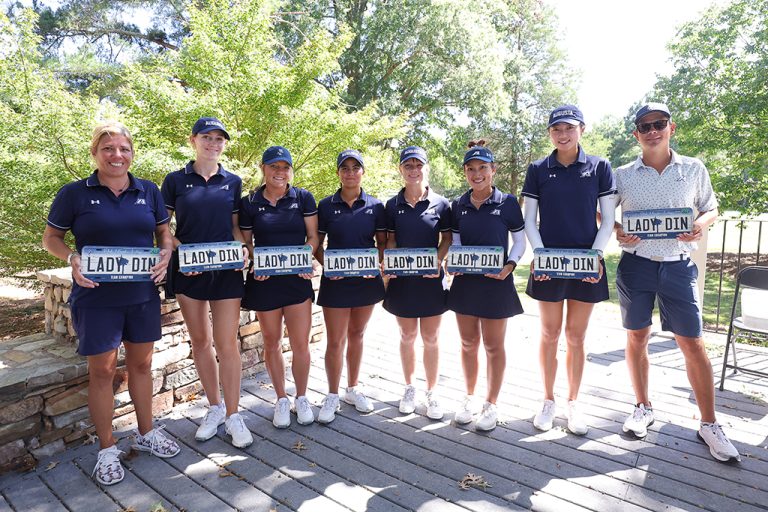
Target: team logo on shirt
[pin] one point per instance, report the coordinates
(369, 211)
(95, 201)
(400, 212)
(680, 178)
(464, 212)
(293, 205)
(189, 185)
(224, 187)
(586, 173)
(553, 175)
(336, 212)
(262, 208)
(496, 212)
(141, 200)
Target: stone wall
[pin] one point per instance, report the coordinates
(44, 383)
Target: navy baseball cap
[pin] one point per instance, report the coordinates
(208, 124)
(566, 114)
(652, 107)
(478, 153)
(413, 152)
(349, 153)
(276, 154)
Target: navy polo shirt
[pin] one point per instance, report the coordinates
(490, 224)
(203, 208)
(420, 225)
(568, 198)
(282, 224)
(351, 228)
(97, 217)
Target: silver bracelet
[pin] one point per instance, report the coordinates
(70, 256)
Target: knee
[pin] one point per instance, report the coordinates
(495, 350)
(407, 337)
(637, 339)
(101, 372)
(355, 335)
(470, 345)
(574, 337)
(429, 340)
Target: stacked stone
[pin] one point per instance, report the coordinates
(44, 383)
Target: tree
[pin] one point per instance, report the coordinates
(718, 95)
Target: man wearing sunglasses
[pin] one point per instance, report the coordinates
(661, 269)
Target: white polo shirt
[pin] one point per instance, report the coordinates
(684, 183)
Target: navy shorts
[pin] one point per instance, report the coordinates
(484, 297)
(416, 297)
(557, 290)
(640, 281)
(276, 292)
(101, 329)
(213, 285)
(350, 292)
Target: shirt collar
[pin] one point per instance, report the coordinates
(674, 160)
(188, 169)
(258, 195)
(133, 183)
(400, 199)
(552, 158)
(336, 198)
(496, 197)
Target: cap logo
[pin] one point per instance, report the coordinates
(561, 113)
(212, 123)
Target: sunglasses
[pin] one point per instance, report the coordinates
(655, 125)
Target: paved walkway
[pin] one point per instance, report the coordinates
(387, 462)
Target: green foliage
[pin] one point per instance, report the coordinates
(719, 99)
(612, 138)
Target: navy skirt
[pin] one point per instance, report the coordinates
(484, 297)
(556, 290)
(350, 292)
(213, 285)
(276, 292)
(416, 297)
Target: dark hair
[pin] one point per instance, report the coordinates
(476, 142)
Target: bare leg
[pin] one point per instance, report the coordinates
(271, 323)
(551, 325)
(226, 321)
(195, 313)
(469, 331)
(430, 330)
(637, 362)
(576, 322)
(138, 360)
(336, 322)
(408, 330)
(101, 398)
(699, 370)
(358, 321)
(494, 331)
(298, 318)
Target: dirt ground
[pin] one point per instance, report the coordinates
(21, 310)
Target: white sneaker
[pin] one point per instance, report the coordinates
(639, 421)
(156, 443)
(328, 411)
(304, 414)
(108, 469)
(434, 412)
(282, 417)
(408, 402)
(719, 445)
(544, 419)
(466, 411)
(487, 419)
(355, 396)
(213, 418)
(235, 427)
(576, 422)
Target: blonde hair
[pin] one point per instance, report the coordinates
(110, 128)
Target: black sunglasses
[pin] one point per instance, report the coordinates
(655, 125)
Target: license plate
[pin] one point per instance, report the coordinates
(469, 259)
(115, 264)
(410, 262)
(658, 224)
(210, 256)
(282, 260)
(566, 263)
(351, 263)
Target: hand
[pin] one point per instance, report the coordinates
(505, 271)
(259, 278)
(160, 270)
(78, 276)
(695, 234)
(626, 240)
(595, 280)
(190, 274)
(431, 276)
(246, 259)
(540, 277)
(307, 275)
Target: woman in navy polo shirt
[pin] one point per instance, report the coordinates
(279, 214)
(113, 208)
(352, 220)
(206, 198)
(564, 189)
(418, 218)
(485, 216)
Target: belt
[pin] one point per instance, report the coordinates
(677, 257)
